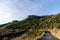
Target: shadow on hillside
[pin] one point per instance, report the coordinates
(12, 35)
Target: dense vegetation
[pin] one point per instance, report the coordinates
(33, 23)
(36, 22)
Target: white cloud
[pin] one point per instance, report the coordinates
(19, 9)
(5, 13)
(23, 8)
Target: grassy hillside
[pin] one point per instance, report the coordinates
(36, 22)
(33, 23)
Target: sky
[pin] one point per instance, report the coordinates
(20, 9)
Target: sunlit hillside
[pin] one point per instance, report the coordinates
(30, 28)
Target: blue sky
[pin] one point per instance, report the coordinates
(20, 9)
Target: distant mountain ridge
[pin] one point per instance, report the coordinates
(33, 21)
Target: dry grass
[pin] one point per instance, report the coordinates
(56, 32)
(30, 36)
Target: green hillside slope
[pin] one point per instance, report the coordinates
(34, 24)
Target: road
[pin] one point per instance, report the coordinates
(48, 36)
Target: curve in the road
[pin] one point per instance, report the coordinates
(47, 36)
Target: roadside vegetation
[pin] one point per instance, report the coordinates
(34, 24)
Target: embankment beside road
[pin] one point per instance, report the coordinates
(56, 32)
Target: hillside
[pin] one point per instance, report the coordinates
(33, 24)
(36, 22)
